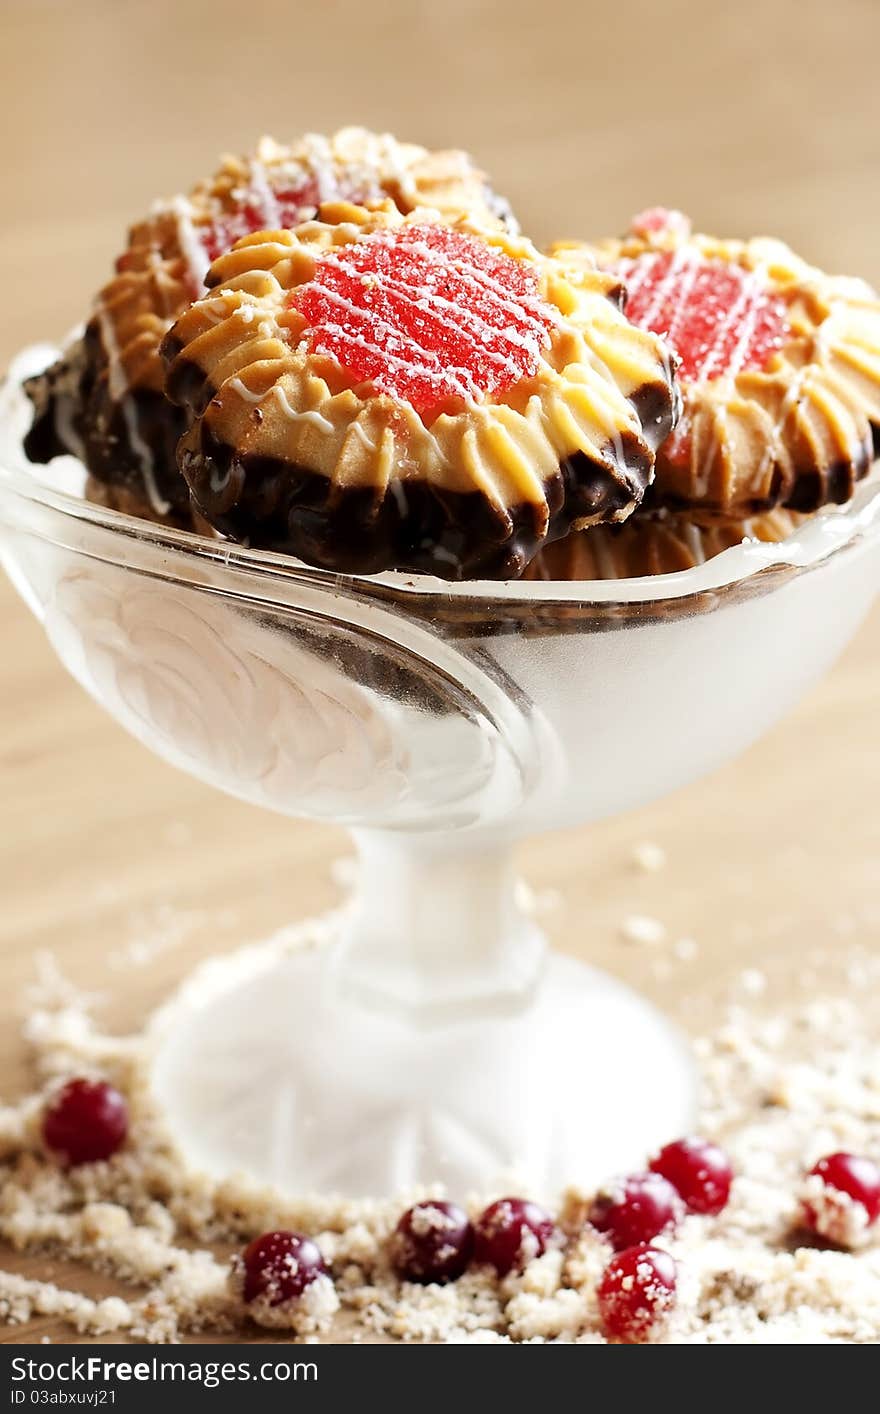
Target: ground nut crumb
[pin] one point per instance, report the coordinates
(311, 1314)
(836, 1216)
(778, 1091)
(649, 857)
(639, 928)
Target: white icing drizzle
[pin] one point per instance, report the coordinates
(145, 459)
(743, 312)
(512, 447)
(693, 538)
(398, 491)
(194, 253)
(215, 310)
(690, 279)
(117, 383)
(610, 421)
(235, 385)
(262, 188)
(315, 419)
(424, 298)
(635, 272)
(317, 157)
(67, 433)
(701, 469)
(460, 379)
(683, 257)
(746, 304)
(360, 433)
(775, 446)
(680, 278)
(523, 303)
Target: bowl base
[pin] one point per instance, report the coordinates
(282, 1076)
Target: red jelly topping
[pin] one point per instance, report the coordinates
(278, 1267)
(272, 210)
(87, 1121)
(718, 318)
(427, 315)
(636, 1292)
(699, 1170)
(659, 220)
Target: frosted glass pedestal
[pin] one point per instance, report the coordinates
(433, 1038)
(377, 1064)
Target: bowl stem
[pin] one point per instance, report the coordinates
(435, 925)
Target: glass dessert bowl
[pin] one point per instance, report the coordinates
(433, 1038)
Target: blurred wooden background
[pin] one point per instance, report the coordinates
(763, 115)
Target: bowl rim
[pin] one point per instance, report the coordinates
(822, 535)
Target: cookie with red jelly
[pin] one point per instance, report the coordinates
(375, 392)
(104, 402)
(779, 366)
(661, 543)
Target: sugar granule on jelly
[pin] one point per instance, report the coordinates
(427, 315)
(265, 208)
(719, 318)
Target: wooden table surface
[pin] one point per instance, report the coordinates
(759, 115)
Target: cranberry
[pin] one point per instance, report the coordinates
(510, 1233)
(700, 1171)
(279, 1266)
(86, 1121)
(432, 1242)
(636, 1292)
(635, 1209)
(841, 1198)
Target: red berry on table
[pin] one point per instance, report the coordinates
(433, 1241)
(85, 1122)
(636, 1293)
(700, 1171)
(635, 1209)
(278, 1267)
(510, 1233)
(840, 1199)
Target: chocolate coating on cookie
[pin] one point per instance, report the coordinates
(104, 402)
(779, 368)
(652, 544)
(422, 529)
(374, 392)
